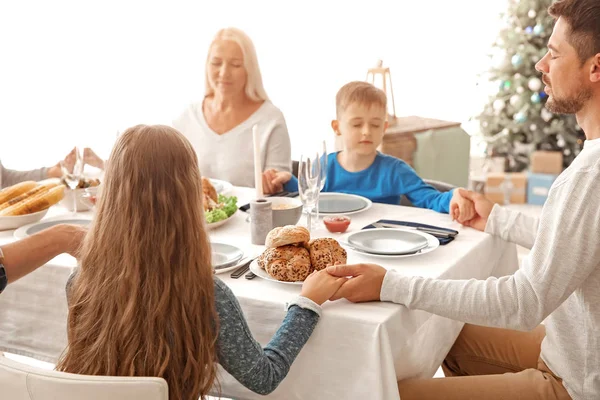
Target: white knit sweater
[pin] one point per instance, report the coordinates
(560, 279)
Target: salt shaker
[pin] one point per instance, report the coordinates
(261, 220)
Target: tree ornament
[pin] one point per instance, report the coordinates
(534, 84)
(529, 30)
(546, 115)
(535, 98)
(520, 117)
(520, 89)
(515, 100)
(532, 14)
(498, 105)
(538, 30)
(517, 60)
(533, 127)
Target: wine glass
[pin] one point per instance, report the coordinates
(309, 186)
(323, 160)
(73, 174)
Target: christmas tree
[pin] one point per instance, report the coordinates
(515, 121)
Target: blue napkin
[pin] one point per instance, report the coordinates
(443, 240)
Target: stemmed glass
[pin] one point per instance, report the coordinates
(322, 155)
(309, 186)
(73, 176)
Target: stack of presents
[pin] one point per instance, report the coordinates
(530, 187)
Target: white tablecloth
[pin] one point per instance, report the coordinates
(357, 351)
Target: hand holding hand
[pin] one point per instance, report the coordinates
(483, 209)
(461, 209)
(319, 286)
(364, 283)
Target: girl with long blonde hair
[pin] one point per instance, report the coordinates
(145, 301)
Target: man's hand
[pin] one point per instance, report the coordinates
(274, 180)
(483, 209)
(319, 286)
(364, 283)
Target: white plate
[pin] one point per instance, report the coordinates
(348, 204)
(18, 221)
(261, 273)
(31, 229)
(222, 222)
(222, 187)
(387, 241)
(432, 244)
(225, 255)
(232, 267)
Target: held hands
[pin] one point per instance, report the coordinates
(482, 209)
(362, 282)
(274, 180)
(461, 209)
(319, 286)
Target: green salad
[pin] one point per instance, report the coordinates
(225, 209)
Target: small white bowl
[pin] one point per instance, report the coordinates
(290, 215)
(67, 201)
(18, 221)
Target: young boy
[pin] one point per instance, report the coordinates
(360, 169)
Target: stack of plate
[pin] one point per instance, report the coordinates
(386, 242)
(225, 256)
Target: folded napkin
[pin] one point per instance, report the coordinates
(443, 240)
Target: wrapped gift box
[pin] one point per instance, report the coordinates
(538, 187)
(546, 162)
(502, 186)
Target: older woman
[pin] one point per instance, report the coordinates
(220, 126)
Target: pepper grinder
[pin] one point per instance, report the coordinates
(261, 220)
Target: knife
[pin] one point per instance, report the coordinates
(432, 231)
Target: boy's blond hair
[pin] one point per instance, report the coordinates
(359, 92)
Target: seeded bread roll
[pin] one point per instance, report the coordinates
(286, 263)
(290, 234)
(325, 252)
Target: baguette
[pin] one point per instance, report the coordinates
(13, 191)
(37, 189)
(35, 203)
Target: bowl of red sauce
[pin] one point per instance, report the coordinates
(337, 223)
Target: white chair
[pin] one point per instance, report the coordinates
(23, 382)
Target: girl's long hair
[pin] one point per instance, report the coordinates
(142, 303)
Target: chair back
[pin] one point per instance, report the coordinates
(23, 382)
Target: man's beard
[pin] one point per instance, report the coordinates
(569, 105)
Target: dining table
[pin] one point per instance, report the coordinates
(357, 351)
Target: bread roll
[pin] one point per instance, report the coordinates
(37, 189)
(286, 263)
(290, 234)
(325, 252)
(13, 191)
(35, 203)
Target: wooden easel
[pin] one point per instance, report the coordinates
(385, 73)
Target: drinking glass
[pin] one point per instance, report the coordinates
(73, 176)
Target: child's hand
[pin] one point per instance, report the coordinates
(274, 180)
(461, 209)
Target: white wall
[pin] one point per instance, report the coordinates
(75, 72)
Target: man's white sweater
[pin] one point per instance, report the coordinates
(560, 279)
